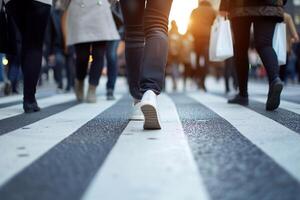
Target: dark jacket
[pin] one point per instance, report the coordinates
(255, 8)
(201, 21)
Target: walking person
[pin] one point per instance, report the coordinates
(264, 15)
(146, 38)
(31, 17)
(90, 27)
(202, 18)
(111, 52)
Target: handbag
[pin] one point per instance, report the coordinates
(280, 43)
(8, 41)
(221, 43)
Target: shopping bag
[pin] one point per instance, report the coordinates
(280, 43)
(220, 45)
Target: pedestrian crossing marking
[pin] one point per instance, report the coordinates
(150, 164)
(293, 107)
(15, 110)
(9, 99)
(37, 138)
(277, 141)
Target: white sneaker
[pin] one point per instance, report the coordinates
(149, 109)
(136, 114)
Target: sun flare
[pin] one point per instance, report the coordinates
(181, 11)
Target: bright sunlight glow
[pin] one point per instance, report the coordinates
(181, 11)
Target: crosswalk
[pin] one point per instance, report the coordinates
(207, 149)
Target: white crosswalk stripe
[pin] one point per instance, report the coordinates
(277, 141)
(12, 111)
(154, 165)
(9, 99)
(150, 165)
(293, 107)
(41, 136)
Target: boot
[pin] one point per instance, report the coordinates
(91, 96)
(79, 90)
(275, 90)
(239, 99)
(110, 95)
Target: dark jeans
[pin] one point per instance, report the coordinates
(31, 18)
(263, 37)
(146, 30)
(229, 72)
(83, 52)
(58, 68)
(112, 68)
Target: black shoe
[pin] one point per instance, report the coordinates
(275, 90)
(30, 107)
(110, 95)
(238, 99)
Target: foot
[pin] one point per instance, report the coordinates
(136, 114)
(110, 95)
(149, 109)
(275, 90)
(91, 96)
(238, 99)
(79, 90)
(31, 107)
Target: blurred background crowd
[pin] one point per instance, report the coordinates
(189, 34)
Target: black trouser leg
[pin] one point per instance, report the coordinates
(241, 31)
(98, 52)
(31, 18)
(82, 60)
(263, 33)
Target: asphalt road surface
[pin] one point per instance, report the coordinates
(207, 149)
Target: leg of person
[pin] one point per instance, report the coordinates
(60, 62)
(206, 65)
(82, 60)
(112, 68)
(263, 34)
(133, 12)
(69, 67)
(155, 58)
(241, 31)
(227, 75)
(32, 26)
(98, 52)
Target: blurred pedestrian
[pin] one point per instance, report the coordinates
(229, 73)
(90, 27)
(55, 46)
(201, 20)
(13, 73)
(186, 52)
(292, 37)
(111, 52)
(146, 54)
(174, 53)
(264, 15)
(31, 17)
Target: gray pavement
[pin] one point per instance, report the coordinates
(207, 149)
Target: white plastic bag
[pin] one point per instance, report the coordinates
(221, 45)
(279, 43)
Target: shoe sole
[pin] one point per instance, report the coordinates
(273, 101)
(151, 118)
